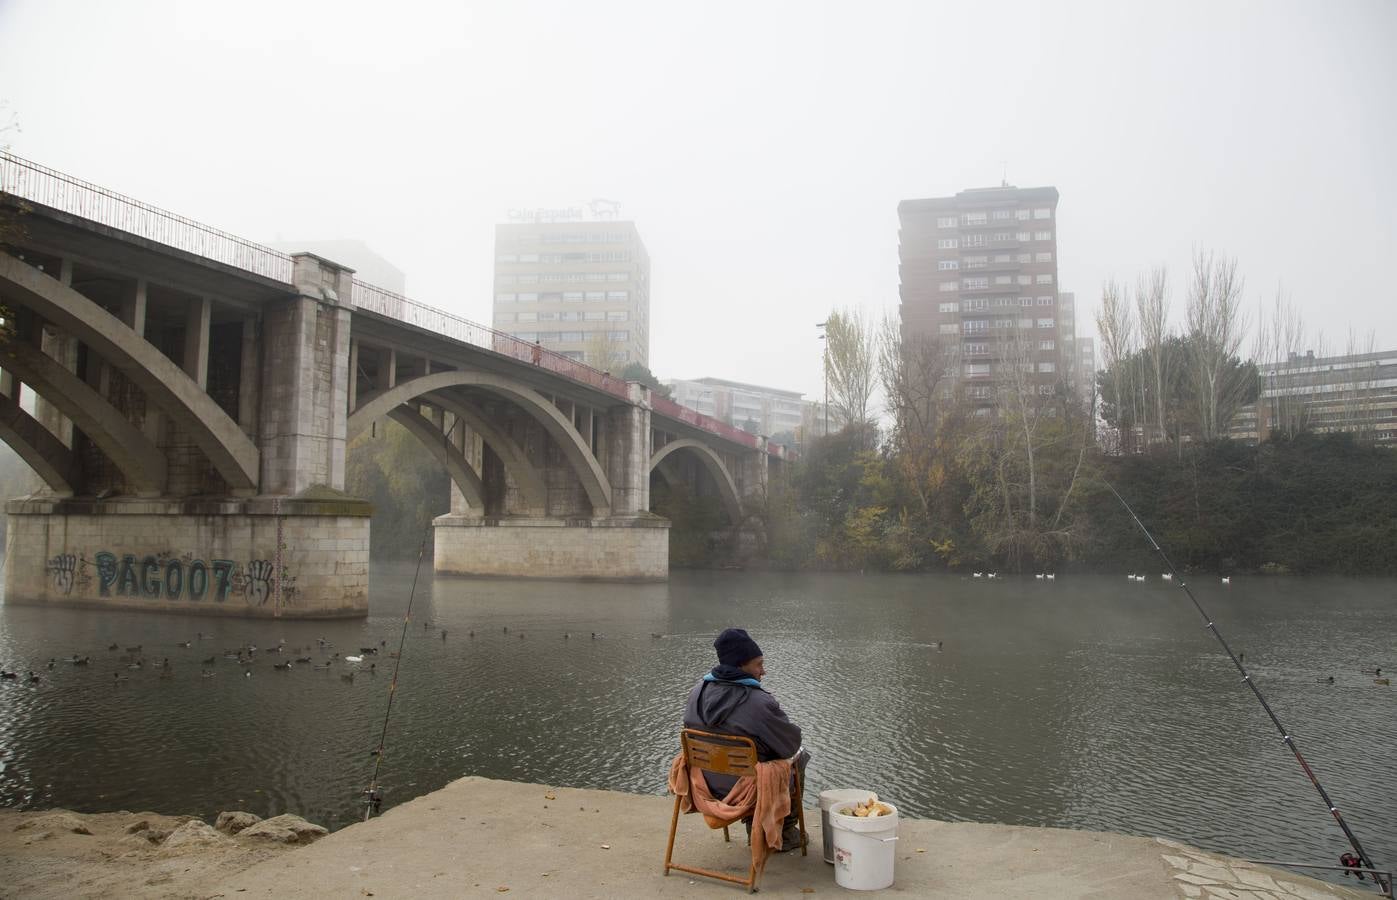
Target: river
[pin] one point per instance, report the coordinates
(1086, 702)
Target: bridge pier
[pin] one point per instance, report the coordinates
(191, 465)
(624, 542)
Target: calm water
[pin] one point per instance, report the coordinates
(1083, 703)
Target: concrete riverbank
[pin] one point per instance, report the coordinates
(480, 837)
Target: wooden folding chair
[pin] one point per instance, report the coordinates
(725, 754)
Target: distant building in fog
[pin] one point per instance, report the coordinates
(579, 288)
(1354, 393)
(979, 270)
(761, 410)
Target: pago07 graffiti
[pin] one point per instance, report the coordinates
(167, 576)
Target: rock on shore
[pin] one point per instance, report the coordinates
(59, 853)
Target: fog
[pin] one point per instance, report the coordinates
(761, 148)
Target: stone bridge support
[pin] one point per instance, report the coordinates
(541, 516)
(192, 442)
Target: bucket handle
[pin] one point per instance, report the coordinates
(886, 840)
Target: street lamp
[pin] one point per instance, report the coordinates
(823, 337)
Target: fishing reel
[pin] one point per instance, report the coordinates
(373, 802)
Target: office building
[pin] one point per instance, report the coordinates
(579, 288)
(980, 269)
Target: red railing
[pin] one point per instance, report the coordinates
(667, 407)
(399, 308)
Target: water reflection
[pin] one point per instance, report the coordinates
(1087, 702)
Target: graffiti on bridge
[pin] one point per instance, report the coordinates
(165, 576)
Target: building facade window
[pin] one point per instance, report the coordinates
(1047, 367)
(595, 296)
(528, 297)
(947, 243)
(1024, 279)
(976, 218)
(1003, 279)
(572, 296)
(1042, 301)
(970, 326)
(528, 317)
(618, 295)
(1045, 278)
(948, 286)
(949, 307)
(1043, 256)
(976, 262)
(1024, 257)
(1003, 215)
(1042, 212)
(594, 315)
(504, 298)
(947, 265)
(946, 222)
(1047, 345)
(975, 303)
(976, 284)
(504, 317)
(1042, 235)
(1021, 214)
(1045, 323)
(617, 315)
(948, 328)
(973, 240)
(619, 336)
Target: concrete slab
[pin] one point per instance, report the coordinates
(479, 837)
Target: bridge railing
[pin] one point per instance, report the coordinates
(438, 321)
(667, 407)
(40, 184)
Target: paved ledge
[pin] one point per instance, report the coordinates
(479, 837)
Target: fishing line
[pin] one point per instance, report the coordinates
(372, 799)
(1285, 734)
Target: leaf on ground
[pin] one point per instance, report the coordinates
(606, 846)
(549, 796)
(921, 849)
(502, 889)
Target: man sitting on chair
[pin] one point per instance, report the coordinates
(731, 700)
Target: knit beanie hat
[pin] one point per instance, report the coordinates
(735, 647)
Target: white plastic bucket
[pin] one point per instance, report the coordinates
(864, 849)
(828, 799)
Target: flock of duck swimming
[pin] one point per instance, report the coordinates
(134, 660)
(1052, 576)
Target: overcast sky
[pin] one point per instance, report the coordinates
(761, 148)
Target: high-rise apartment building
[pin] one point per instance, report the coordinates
(979, 269)
(579, 288)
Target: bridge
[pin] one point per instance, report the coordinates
(188, 396)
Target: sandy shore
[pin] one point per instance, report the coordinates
(58, 853)
(479, 837)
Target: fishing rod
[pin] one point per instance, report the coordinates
(1285, 734)
(372, 799)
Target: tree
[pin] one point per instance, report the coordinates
(638, 371)
(1216, 327)
(1280, 349)
(849, 366)
(1117, 330)
(1152, 311)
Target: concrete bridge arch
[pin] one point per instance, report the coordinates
(232, 453)
(576, 451)
(727, 487)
